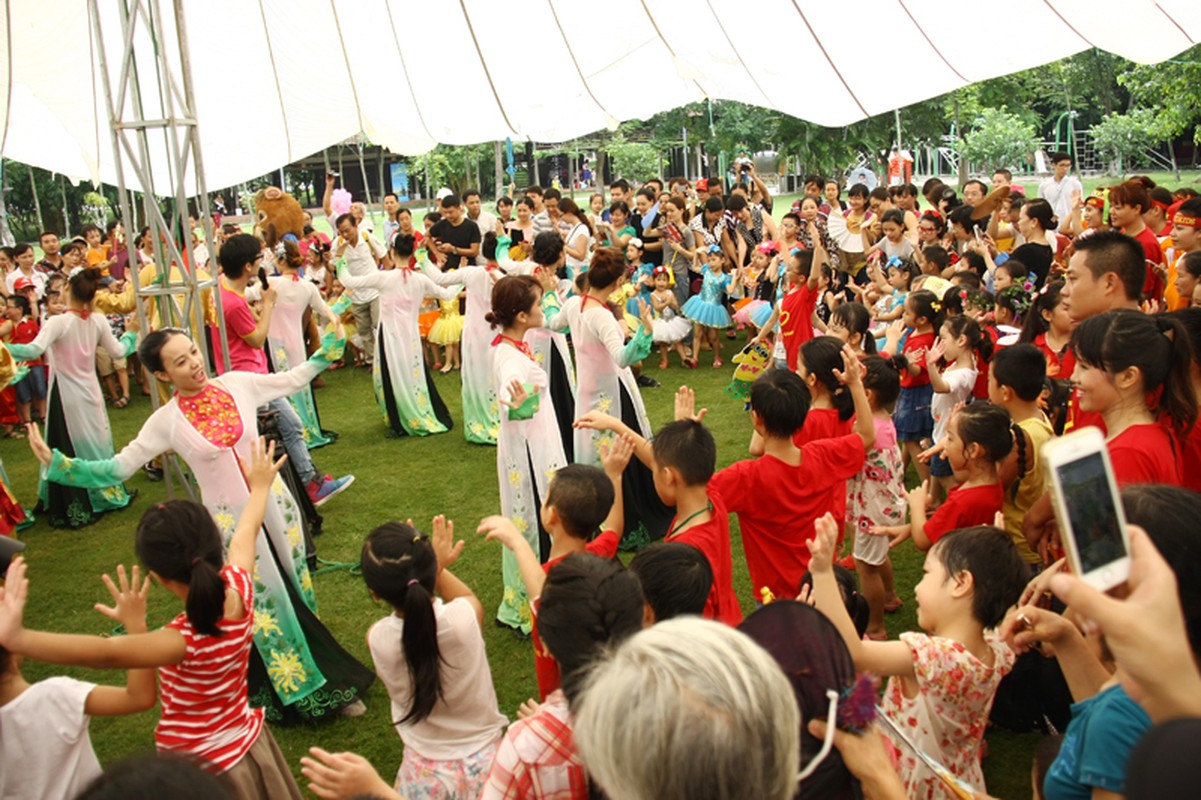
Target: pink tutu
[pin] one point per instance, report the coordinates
(745, 314)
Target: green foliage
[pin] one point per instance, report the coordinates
(1126, 137)
(999, 138)
(633, 160)
(1170, 91)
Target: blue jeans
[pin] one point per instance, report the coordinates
(292, 432)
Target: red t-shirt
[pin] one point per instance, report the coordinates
(25, 332)
(239, 322)
(545, 666)
(1190, 459)
(777, 503)
(1059, 365)
(796, 321)
(916, 341)
(824, 423)
(1153, 286)
(713, 539)
(963, 508)
(1145, 454)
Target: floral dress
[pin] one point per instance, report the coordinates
(948, 713)
(876, 496)
(300, 673)
(285, 345)
(407, 397)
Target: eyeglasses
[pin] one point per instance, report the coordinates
(927, 229)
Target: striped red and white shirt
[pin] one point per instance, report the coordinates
(206, 713)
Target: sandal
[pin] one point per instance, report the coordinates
(121, 402)
(718, 363)
(663, 363)
(892, 608)
(13, 433)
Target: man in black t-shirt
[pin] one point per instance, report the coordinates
(454, 236)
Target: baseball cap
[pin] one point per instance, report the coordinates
(22, 283)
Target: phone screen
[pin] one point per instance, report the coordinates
(1089, 504)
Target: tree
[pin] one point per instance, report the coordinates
(999, 139)
(632, 160)
(1126, 137)
(1169, 91)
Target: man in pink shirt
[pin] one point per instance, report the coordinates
(239, 258)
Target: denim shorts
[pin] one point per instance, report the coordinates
(912, 416)
(32, 386)
(940, 467)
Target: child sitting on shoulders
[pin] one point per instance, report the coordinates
(581, 501)
(778, 495)
(941, 684)
(587, 603)
(683, 456)
(430, 655)
(979, 437)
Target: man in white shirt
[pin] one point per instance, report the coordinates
(362, 253)
(1059, 188)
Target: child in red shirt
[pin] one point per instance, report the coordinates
(912, 416)
(778, 496)
(979, 436)
(682, 458)
(580, 500)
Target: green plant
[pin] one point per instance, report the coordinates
(1126, 137)
(998, 139)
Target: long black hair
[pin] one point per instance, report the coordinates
(399, 565)
(822, 355)
(179, 541)
(1035, 324)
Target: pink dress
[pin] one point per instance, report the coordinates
(947, 716)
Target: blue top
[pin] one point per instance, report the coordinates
(714, 285)
(1096, 745)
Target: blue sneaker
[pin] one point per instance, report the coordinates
(322, 493)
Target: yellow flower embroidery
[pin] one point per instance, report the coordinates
(294, 535)
(515, 477)
(266, 623)
(538, 357)
(306, 582)
(286, 671)
(415, 424)
(225, 521)
(604, 404)
(520, 524)
(477, 428)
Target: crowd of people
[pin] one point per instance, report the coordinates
(938, 335)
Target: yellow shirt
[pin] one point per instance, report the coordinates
(1030, 488)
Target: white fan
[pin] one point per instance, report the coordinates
(836, 224)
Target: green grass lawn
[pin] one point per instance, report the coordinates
(396, 479)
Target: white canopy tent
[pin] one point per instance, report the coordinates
(276, 80)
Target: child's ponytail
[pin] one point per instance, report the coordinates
(926, 305)
(1019, 444)
(968, 328)
(399, 566)
(1179, 401)
(821, 356)
(179, 541)
(987, 425)
(1045, 302)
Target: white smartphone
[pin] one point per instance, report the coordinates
(1088, 507)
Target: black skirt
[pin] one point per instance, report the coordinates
(646, 517)
(564, 401)
(441, 413)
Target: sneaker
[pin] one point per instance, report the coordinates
(322, 493)
(152, 472)
(647, 381)
(356, 709)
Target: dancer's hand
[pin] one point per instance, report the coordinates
(129, 599)
(337, 775)
(443, 541)
(686, 405)
(517, 395)
(38, 445)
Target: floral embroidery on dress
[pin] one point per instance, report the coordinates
(214, 415)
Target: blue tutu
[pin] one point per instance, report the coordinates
(711, 315)
(761, 314)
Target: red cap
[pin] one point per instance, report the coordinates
(22, 283)
(702, 184)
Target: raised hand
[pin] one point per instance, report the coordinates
(597, 421)
(500, 529)
(616, 456)
(38, 445)
(852, 370)
(517, 395)
(261, 468)
(443, 541)
(686, 406)
(129, 599)
(936, 351)
(646, 315)
(821, 546)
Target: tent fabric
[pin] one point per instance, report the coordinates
(277, 80)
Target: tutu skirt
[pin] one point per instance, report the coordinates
(711, 315)
(746, 314)
(426, 320)
(761, 314)
(447, 330)
(671, 330)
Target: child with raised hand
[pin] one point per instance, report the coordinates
(202, 655)
(430, 655)
(876, 496)
(797, 308)
(979, 437)
(707, 309)
(941, 683)
(683, 456)
(959, 341)
(778, 495)
(45, 750)
(581, 501)
(923, 318)
(671, 326)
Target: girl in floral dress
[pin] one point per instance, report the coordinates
(529, 450)
(940, 686)
(406, 394)
(876, 496)
(298, 671)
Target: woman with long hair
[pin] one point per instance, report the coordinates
(300, 672)
(76, 422)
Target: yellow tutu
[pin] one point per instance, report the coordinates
(448, 329)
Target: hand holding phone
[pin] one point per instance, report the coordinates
(1088, 508)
